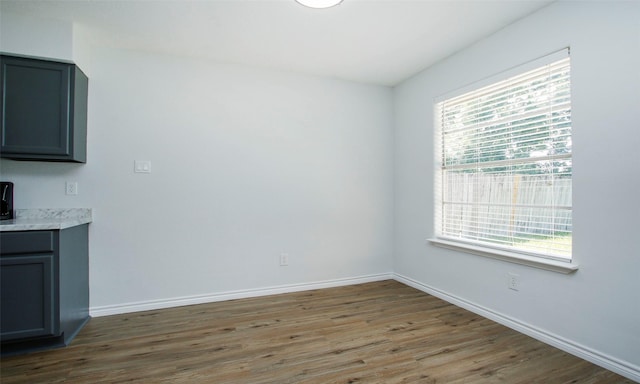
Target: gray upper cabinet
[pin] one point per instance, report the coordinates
(44, 110)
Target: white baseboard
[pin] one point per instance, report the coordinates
(231, 295)
(623, 368)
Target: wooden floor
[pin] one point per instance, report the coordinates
(383, 332)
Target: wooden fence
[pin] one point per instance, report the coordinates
(498, 205)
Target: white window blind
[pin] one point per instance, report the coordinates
(504, 178)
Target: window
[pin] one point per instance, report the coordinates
(504, 175)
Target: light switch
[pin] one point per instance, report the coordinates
(142, 166)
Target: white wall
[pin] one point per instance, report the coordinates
(596, 309)
(246, 164)
(42, 38)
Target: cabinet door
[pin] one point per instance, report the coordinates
(27, 297)
(35, 100)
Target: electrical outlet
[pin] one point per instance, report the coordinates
(72, 188)
(284, 259)
(513, 281)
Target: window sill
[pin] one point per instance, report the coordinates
(512, 257)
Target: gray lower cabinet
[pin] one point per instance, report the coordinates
(44, 288)
(43, 112)
(29, 305)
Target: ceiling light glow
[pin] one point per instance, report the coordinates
(319, 3)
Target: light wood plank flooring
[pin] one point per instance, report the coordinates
(383, 332)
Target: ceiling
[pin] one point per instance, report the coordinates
(371, 41)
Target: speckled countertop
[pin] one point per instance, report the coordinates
(43, 219)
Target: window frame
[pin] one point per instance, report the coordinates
(519, 256)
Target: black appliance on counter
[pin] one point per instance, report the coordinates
(6, 193)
